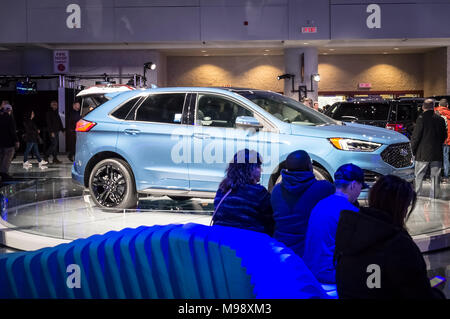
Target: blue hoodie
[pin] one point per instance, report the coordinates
(292, 202)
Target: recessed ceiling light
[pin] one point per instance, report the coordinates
(396, 49)
(205, 54)
(331, 49)
(266, 53)
(325, 53)
(385, 53)
(266, 50)
(203, 51)
(305, 43)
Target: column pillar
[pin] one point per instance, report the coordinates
(292, 65)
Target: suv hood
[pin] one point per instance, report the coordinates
(351, 130)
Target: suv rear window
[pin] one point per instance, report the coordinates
(162, 108)
(360, 111)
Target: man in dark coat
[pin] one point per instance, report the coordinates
(428, 137)
(294, 198)
(74, 117)
(8, 140)
(54, 126)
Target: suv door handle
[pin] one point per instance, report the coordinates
(201, 135)
(132, 131)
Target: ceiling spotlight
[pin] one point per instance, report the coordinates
(266, 50)
(150, 65)
(315, 77)
(331, 49)
(305, 42)
(396, 49)
(203, 51)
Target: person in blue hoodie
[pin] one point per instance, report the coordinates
(323, 222)
(240, 201)
(294, 198)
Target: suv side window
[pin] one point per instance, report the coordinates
(122, 112)
(406, 112)
(163, 108)
(216, 111)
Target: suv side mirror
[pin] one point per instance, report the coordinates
(247, 122)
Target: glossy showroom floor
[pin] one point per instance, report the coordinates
(49, 204)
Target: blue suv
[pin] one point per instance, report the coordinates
(178, 142)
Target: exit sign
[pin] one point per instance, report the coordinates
(309, 29)
(364, 85)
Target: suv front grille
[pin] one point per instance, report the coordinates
(398, 155)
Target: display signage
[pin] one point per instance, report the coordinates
(365, 85)
(60, 61)
(309, 29)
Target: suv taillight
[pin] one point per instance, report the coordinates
(84, 126)
(395, 127)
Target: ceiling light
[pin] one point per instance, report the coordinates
(305, 42)
(331, 49)
(203, 51)
(396, 49)
(266, 50)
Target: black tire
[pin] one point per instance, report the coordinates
(321, 174)
(112, 185)
(179, 198)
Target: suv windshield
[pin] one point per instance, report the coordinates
(362, 111)
(286, 109)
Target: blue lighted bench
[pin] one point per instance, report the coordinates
(171, 261)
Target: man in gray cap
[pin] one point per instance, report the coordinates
(294, 198)
(8, 140)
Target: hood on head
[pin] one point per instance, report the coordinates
(297, 182)
(359, 231)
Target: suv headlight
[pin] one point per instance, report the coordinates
(347, 144)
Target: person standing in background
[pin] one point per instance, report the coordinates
(32, 139)
(427, 139)
(9, 141)
(308, 102)
(74, 117)
(442, 110)
(54, 126)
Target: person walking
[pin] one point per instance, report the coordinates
(32, 139)
(241, 201)
(294, 198)
(74, 117)
(322, 225)
(9, 142)
(375, 256)
(427, 139)
(444, 111)
(54, 126)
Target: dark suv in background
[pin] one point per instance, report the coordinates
(399, 115)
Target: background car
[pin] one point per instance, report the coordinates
(399, 115)
(179, 141)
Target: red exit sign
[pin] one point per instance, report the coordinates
(364, 85)
(309, 29)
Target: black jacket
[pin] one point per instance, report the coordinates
(8, 135)
(74, 117)
(292, 202)
(53, 121)
(370, 238)
(31, 131)
(247, 207)
(428, 137)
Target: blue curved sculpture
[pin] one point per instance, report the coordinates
(171, 261)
